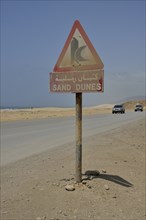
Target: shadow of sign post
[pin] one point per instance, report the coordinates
(109, 177)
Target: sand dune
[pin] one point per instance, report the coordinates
(40, 113)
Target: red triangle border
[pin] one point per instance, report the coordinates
(99, 62)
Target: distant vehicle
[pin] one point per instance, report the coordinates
(138, 107)
(118, 109)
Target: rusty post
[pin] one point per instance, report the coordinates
(78, 137)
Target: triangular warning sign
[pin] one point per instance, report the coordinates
(78, 52)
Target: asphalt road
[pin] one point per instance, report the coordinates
(20, 139)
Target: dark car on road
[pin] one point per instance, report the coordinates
(138, 107)
(118, 109)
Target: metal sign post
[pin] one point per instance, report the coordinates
(78, 137)
(78, 69)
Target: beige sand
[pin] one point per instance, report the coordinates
(40, 113)
(34, 188)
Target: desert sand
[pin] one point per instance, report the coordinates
(40, 113)
(34, 188)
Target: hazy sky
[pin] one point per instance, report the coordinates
(33, 34)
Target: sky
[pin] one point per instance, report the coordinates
(33, 34)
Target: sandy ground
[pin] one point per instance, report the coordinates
(34, 188)
(40, 113)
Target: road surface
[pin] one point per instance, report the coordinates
(21, 139)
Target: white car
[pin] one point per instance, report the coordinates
(118, 109)
(138, 107)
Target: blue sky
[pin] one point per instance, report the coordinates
(33, 34)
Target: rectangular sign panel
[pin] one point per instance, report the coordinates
(77, 81)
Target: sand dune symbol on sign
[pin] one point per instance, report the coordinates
(77, 53)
